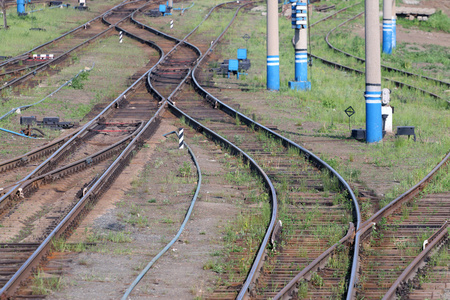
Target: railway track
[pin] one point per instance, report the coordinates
(395, 77)
(24, 67)
(394, 236)
(302, 187)
(46, 183)
(308, 198)
(120, 110)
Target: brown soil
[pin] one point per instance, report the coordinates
(180, 273)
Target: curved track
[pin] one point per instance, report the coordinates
(427, 86)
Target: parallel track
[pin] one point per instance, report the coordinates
(351, 68)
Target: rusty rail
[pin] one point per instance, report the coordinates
(362, 60)
(316, 161)
(63, 56)
(438, 238)
(288, 292)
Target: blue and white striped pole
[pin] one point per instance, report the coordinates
(273, 56)
(387, 26)
(300, 24)
(373, 73)
(394, 25)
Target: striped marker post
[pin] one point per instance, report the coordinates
(300, 24)
(387, 26)
(120, 37)
(273, 56)
(171, 24)
(373, 74)
(180, 138)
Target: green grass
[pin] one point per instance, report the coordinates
(437, 22)
(45, 285)
(325, 106)
(19, 38)
(102, 85)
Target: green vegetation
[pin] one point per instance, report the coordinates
(44, 284)
(438, 21)
(111, 236)
(19, 38)
(79, 81)
(324, 107)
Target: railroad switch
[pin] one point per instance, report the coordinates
(49, 122)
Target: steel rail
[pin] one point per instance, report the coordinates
(362, 60)
(175, 238)
(33, 154)
(406, 196)
(318, 263)
(287, 143)
(75, 166)
(78, 136)
(335, 13)
(25, 54)
(343, 67)
(438, 238)
(64, 55)
(153, 90)
(99, 186)
(366, 228)
(29, 186)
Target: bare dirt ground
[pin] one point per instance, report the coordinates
(179, 274)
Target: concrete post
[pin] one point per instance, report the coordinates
(394, 25)
(170, 3)
(300, 41)
(273, 56)
(373, 73)
(387, 26)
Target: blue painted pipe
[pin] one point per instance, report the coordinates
(273, 72)
(387, 36)
(16, 133)
(374, 124)
(394, 33)
(301, 65)
(20, 6)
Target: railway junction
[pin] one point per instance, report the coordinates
(224, 150)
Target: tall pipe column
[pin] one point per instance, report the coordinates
(170, 3)
(273, 55)
(373, 73)
(300, 41)
(20, 7)
(387, 26)
(394, 25)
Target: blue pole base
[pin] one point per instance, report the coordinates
(374, 123)
(387, 38)
(300, 85)
(273, 72)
